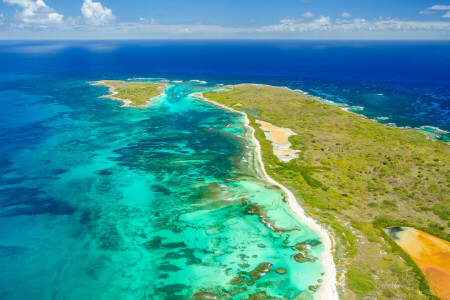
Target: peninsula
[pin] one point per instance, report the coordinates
(356, 177)
(132, 93)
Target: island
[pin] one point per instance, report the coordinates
(132, 93)
(356, 177)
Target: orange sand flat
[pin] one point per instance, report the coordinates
(432, 255)
(278, 136)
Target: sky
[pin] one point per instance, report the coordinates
(231, 19)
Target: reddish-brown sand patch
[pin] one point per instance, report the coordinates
(432, 255)
(280, 140)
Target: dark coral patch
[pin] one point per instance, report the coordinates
(156, 243)
(172, 289)
(314, 288)
(304, 254)
(104, 172)
(27, 201)
(110, 238)
(260, 296)
(254, 209)
(204, 295)
(168, 268)
(261, 270)
(301, 258)
(237, 280)
(161, 189)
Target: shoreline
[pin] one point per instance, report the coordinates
(434, 136)
(112, 92)
(328, 287)
(353, 109)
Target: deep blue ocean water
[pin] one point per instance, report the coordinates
(98, 201)
(407, 82)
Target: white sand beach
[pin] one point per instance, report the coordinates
(328, 289)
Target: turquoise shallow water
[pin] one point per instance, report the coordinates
(104, 202)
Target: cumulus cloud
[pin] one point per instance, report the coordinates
(346, 15)
(440, 7)
(94, 13)
(308, 14)
(36, 12)
(446, 15)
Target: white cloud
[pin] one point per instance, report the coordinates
(149, 21)
(446, 15)
(346, 15)
(185, 30)
(36, 12)
(322, 27)
(426, 12)
(359, 28)
(323, 20)
(289, 21)
(440, 7)
(94, 13)
(308, 14)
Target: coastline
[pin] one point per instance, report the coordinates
(381, 151)
(112, 92)
(430, 132)
(329, 283)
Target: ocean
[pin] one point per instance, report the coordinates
(98, 201)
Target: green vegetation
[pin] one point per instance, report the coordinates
(137, 93)
(356, 177)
